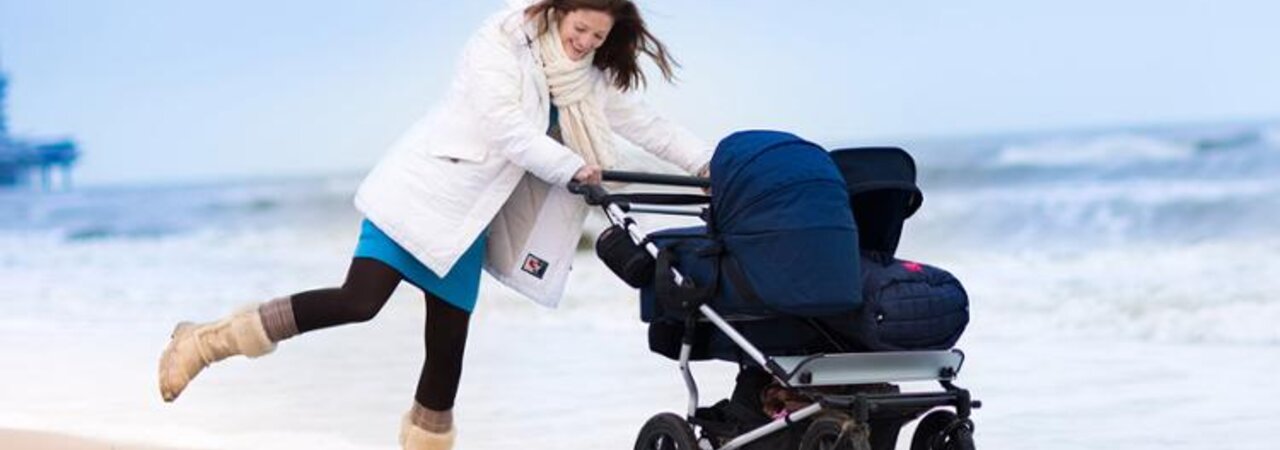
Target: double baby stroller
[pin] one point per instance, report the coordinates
(793, 277)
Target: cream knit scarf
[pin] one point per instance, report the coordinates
(582, 122)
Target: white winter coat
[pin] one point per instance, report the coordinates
(444, 181)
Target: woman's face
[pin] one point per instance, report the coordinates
(582, 31)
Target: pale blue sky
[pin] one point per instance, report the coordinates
(165, 90)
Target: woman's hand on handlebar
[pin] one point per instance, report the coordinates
(705, 173)
(589, 174)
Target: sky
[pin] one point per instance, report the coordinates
(162, 91)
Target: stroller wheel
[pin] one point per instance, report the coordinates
(666, 431)
(835, 432)
(942, 430)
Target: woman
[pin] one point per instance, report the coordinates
(479, 182)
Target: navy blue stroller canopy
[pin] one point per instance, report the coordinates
(780, 237)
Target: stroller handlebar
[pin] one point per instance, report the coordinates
(596, 195)
(656, 178)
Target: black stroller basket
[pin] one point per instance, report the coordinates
(840, 411)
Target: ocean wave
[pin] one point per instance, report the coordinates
(155, 212)
(1108, 150)
(1071, 214)
(1214, 290)
(1219, 292)
(1272, 136)
(1229, 141)
(106, 232)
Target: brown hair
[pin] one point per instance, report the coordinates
(619, 55)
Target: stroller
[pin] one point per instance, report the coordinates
(770, 282)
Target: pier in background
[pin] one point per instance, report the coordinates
(27, 162)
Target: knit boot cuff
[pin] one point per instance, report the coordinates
(414, 437)
(278, 319)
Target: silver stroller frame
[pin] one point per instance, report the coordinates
(803, 372)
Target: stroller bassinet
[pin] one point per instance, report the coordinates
(810, 252)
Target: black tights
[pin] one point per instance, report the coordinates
(368, 286)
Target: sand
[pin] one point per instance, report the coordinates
(38, 440)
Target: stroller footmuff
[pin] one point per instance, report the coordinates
(793, 277)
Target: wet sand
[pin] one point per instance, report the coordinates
(37, 440)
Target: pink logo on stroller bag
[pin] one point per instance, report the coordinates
(912, 266)
(534, 265)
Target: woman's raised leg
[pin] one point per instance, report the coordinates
(254, 331)
(368, 285)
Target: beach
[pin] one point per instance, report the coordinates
(34, 440)
(1117, 302)
(559, 381)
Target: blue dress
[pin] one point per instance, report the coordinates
(461, 286)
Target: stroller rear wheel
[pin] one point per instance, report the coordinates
(942, 430)
(835, 432)
(666, 431)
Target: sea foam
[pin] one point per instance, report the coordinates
(1107, 150)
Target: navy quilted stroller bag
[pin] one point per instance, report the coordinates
(779, 238)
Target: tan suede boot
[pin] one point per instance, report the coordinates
(415, 437)
(194, 346)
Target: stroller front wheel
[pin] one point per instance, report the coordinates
(835, 432)
(666, 431)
